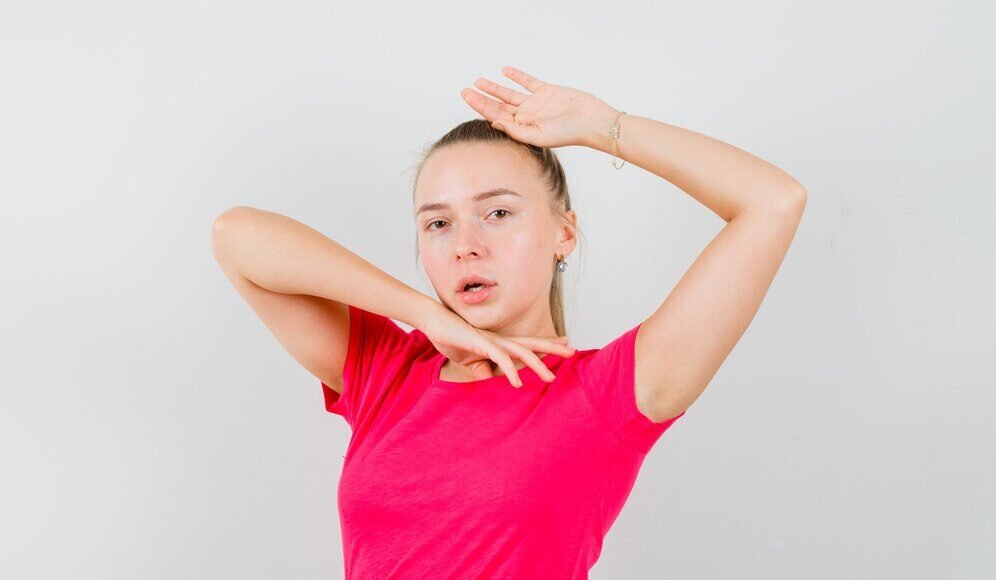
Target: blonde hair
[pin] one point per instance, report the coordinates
(480, 130)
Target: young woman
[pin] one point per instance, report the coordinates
(450, 472)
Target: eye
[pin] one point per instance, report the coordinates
(430, 224)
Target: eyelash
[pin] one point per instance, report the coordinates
(429, 227)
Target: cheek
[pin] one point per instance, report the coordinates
(431, 258)
(532, 256)
(530, 242)
(432, 249)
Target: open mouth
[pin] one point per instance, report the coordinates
(476, 292)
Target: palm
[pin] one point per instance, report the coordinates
(550, 116)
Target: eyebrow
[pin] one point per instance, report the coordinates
(478, 197)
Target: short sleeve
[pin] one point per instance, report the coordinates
(608, 378)
(373, 339)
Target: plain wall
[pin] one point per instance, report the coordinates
(151, 426)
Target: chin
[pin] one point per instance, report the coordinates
(478, 317)
(482, 317)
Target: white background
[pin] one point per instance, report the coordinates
(151, 427)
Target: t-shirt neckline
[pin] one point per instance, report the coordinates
(526, 374)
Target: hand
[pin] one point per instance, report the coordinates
(552, 116)
(475, 348)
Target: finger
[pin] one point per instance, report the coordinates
(504, 361)
(490, 109)
(528, 357)
(559, 339)
(504, 93)
(554, 345)
(534, 340)
(532, 84)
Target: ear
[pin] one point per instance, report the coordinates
(567, 240)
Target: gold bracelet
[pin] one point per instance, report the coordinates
(614, 133)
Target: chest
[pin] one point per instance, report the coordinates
(496, 458)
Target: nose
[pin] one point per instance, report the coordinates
(468, 244)
(467, 252)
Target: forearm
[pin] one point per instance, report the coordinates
(722, 177)
(283, 255)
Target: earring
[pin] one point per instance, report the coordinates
(561, 265)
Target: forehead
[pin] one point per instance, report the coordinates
(458, 174)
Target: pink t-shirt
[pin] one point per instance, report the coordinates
(445, 479)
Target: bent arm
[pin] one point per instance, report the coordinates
(283, 255)
(681, 346)
(299, 283)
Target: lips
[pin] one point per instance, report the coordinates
(473, 297)
(471, 279)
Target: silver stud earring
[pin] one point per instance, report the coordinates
(561, 265)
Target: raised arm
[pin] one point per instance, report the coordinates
(681, 346)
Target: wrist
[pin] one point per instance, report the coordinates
(423, 310)
(599, 123)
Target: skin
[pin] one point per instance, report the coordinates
(681, 345)
(291, 275)
(513, 240)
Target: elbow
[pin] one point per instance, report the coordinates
(223, 225)
(799, 191)
(229, 215)
(788, 203)
(793, 200)
(232, 216)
